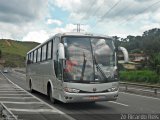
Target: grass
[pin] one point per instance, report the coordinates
(16, 47)
(141, 76)
(14, 52)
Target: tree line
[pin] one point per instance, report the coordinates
(148, 43)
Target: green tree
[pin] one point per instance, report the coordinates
(154, 62)
(0, 54)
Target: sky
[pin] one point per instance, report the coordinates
(37, 20)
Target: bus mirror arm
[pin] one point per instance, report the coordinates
(125, 53)
(61, 52)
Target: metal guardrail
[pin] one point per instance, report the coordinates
(6, 114)
(153, 87)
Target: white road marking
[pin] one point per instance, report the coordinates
(119, 103)
(20, 102)
(12, 91)
(9, 86)
(56, 110)
(9, 111)
(32, 110)
(13, 94)
(140, 95)
(17, 97)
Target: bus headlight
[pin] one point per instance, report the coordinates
(113, 89)
(71, 90)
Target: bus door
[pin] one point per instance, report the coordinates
(57, 68)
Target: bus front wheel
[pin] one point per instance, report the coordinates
(51, 96)
(30, 87)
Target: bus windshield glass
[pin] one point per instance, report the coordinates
(88, 59)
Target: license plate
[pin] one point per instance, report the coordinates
(94, 97)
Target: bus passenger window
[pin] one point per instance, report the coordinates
(49, 52)
(39, 55)
(35, 56)
(31, 58)
(44, 52)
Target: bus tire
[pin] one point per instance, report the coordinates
(30, 87)
(51, 96)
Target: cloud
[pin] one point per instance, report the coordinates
(67, 4)
(20, 11)
(147, 27)
(102, 9)
(52, 21)
(20, 19)
(37, 36)
(70, 28)
(42, 35)
(67, 28)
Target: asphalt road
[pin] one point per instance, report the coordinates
(128, 106)
(18, 104)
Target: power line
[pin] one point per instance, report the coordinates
(96, 11)
(89, 8)
(110, 10)
(107, 13)
(150, 6)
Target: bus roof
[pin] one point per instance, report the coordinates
(80, 34)
(70, 34)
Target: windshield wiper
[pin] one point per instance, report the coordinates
(99, 68)
(84, 66)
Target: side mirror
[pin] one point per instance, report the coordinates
(125, 53)
(61, 53)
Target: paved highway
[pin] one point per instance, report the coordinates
(18, 104)
(125, 107)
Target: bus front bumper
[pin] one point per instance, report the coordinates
(89, 97)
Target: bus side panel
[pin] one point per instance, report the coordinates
(43, 73)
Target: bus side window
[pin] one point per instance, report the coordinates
(49, 50)
(35, 56)
(31, 58)
(39, 55)
(44, 52)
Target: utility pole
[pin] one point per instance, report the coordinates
(78, 27)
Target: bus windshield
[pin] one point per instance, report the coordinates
(88, 59)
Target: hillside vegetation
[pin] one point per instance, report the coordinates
(148, 44)
(14, 52)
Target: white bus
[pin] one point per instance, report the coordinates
(74, 67)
